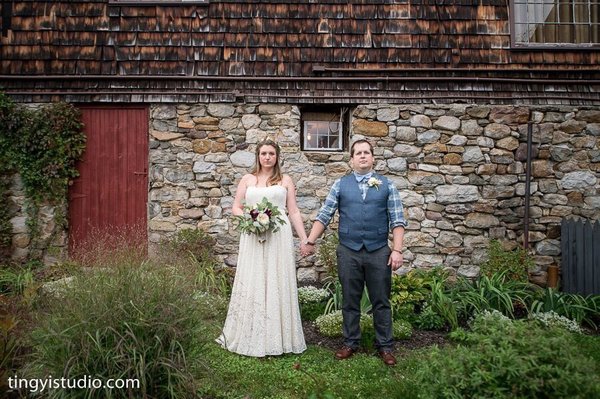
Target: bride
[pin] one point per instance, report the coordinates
(264, 316)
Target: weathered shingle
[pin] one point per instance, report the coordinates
(287, 39)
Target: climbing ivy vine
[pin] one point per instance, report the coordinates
(43, 146)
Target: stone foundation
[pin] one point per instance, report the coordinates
(460, 170)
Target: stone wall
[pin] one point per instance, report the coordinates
(460, 170)
(51, 245)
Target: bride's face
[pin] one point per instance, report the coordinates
(267, 156)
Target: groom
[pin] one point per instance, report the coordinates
(369, 207)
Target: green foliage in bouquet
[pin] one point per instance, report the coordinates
(260, 218)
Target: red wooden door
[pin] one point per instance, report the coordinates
(111, 192)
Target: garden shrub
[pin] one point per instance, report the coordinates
(429, 319)
(402, 329)
(514, 264)
(312, 301)
(408, 292)
(135, 320)
(584, 310)
(330, 324)
(327, 255)
(553, 319)
(501, 358)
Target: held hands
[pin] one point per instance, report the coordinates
(306, 249)
(395, 260)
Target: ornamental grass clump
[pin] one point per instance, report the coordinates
(135, 320)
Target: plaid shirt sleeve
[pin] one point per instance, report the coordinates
(395, 208)
(331, 204)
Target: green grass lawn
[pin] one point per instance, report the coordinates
(317, 374)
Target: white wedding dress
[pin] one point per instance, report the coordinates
(264, 316)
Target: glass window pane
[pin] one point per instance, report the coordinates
(322, 134)
(556, 21)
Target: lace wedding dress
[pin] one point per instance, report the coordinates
(264, 315)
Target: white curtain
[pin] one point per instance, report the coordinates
(557, 21)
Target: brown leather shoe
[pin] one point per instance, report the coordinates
(344, 353)
(388, 358)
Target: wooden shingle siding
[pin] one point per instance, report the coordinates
(232, 40)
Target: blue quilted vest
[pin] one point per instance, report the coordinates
(363, 222)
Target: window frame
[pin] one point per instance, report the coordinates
(344, 120)
(526, 46)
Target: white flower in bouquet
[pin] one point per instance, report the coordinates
(263, 218)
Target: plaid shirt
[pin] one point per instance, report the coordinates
(394, 203)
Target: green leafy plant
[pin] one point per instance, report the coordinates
(553, 319)
(514, 265)
(584, 310)
(487, 293)
(42, 145)
(429, 319)
(410, 291)
(312, 301)
(402, 329)
(330, 324)
(441, 302)
(327, 255)
(501, 358)
(10, 120)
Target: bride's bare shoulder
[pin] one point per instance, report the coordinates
(248, 180)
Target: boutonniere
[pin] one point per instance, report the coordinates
(374, 182)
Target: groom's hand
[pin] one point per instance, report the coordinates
(395, 261)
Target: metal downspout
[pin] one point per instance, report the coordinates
(527, 186)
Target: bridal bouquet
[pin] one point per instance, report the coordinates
(259, 219)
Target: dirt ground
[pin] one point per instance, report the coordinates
(419, 339)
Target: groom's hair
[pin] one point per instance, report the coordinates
(359, 142)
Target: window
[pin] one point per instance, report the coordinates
(324, 130)
(556, 22)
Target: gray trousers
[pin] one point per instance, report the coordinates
(355, 269)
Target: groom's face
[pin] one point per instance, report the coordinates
(362, 158)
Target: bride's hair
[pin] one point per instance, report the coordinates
(276, 176)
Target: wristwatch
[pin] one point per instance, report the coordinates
(308, 242)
